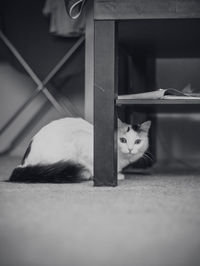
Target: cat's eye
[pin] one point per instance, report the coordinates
(123, 140)
(137, 141)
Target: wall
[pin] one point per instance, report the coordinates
(27, 28)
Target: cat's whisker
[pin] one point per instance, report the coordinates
(144, 159)
(148, 152)
(148, 157)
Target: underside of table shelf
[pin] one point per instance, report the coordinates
(161, 106)
(158, 102)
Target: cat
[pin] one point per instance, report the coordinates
(62, 151)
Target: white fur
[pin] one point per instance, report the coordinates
(62, 140)
(72, 139)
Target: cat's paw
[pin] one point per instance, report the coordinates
(120, 176)
(86, 175)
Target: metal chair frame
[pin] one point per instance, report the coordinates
(41, 84)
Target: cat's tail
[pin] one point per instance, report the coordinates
(60, 172)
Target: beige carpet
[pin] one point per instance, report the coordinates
(149, 220)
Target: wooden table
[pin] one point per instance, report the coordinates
(120, 21)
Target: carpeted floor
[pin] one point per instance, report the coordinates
(148, 220)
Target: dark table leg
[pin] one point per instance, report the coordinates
(105, 116)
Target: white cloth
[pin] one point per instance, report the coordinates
(60, 22)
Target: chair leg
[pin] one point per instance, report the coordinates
(41, 87)
(41, 84)
(18, 112)
(22, 133)
(51, 73)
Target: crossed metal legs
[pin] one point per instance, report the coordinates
(41, 85)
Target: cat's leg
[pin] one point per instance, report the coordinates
(120, 176)
(87, 172)
(86, 155)
(86, 175)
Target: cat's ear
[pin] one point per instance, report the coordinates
(122, 127)
(120, 123)
(145, 126)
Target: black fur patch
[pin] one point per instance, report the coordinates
(60, 172)
(136, 127)
(26, 153)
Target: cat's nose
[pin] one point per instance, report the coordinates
(130, 150)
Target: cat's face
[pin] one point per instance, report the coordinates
(133, 141)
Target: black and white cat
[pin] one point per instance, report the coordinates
(62, 151)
